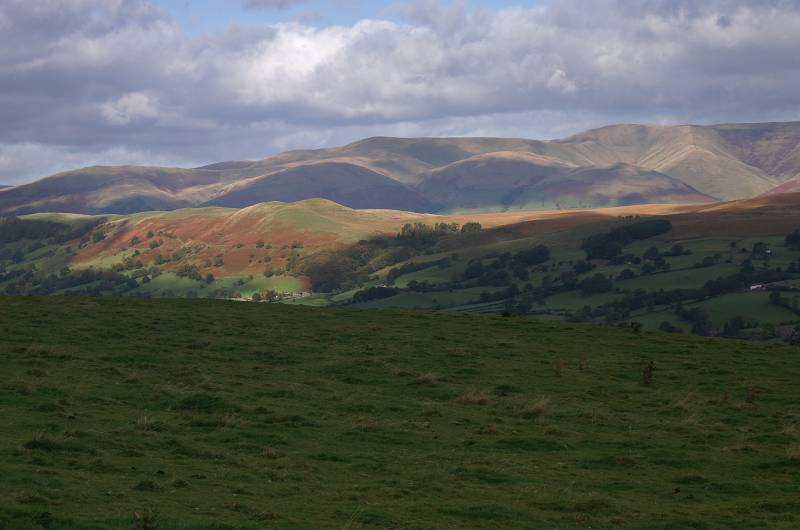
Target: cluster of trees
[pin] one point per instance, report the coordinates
(777, 298)
(621, 308)
(733, 327)
(792, 240)
(266, 296)
(88, 282)
(193, 273)
(611, 244)
(14, 229)
(351, 266)
(374, 293)
(421, 234)
(495, 273)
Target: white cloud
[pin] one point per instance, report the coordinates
(132, 107)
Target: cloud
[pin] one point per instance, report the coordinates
(134, 106)
(272, 4)
(117, 79)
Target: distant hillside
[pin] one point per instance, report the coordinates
(615, 165)
(523, 181)
(348, 184)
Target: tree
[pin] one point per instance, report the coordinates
(792, 240)
(611, 243)
(471, 228)
(328, 271)
(626, 274)
(760, 250)
(474, 270)
(582, 266)
(648, 268)
(678, 250)
(734, 326)
(669, 327)
(651, 253)
(598, 283)
(417, 234)
(533, 256)
(374, 293)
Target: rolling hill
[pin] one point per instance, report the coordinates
(345, 183)
(610, 166)
(320, 252)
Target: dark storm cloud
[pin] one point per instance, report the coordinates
(88, 81)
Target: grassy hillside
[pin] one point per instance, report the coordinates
(211, 414)
(700, 274)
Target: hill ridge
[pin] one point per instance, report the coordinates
(716, 162)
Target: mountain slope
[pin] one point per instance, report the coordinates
(347, 184)
(502, 181)
(618, 164)
(699, 156)
(121, 189)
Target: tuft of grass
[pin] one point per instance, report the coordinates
(473, 398)
(43, 442)
(202, 402)
(537, 409)
(793, 454)
(146, 520)
(149, 424)
(428, 379)
(147, 485)
(271, 453)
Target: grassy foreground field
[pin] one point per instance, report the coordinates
(212, 414)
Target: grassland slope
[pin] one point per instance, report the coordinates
(210, 414)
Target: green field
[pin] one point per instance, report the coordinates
(213, 414)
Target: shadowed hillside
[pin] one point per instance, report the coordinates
(347, 184)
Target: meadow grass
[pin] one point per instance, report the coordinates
(211, 414)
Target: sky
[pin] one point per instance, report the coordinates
(189, 82)
(198, 16)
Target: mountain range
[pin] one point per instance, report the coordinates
(611, 166)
